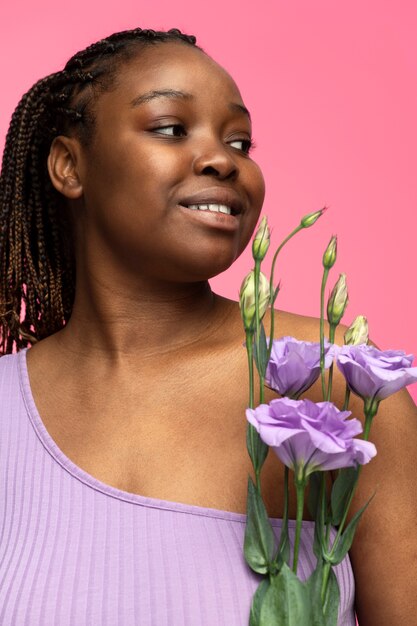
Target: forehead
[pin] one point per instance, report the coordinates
(175, 66)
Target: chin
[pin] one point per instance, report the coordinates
(205, 267)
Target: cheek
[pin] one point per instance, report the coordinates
(255, 186)
(256, 196)
(258, 183)
(126, 181)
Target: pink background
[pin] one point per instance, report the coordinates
(333, 93)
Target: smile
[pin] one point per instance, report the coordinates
(218, 216)
(223, 200)
(217, 208)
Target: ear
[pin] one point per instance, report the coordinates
(63, 166)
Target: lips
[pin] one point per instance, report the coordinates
(215, 195)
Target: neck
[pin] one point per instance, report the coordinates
(147, 321)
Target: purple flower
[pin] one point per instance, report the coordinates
(310, 436)
(375, 374)
(295, 365)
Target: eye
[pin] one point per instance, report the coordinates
(246, 145)
(173, 130)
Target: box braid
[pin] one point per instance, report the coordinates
(37, 264)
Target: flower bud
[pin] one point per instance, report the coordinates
(261, 241)
(329, 257)
(357, 332)
(311, 218)
(247, 298)
(338, 301)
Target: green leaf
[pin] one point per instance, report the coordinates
(276, 292)
(255, 609)
(259, 544)
(318, 537)
(346, 537)
(261, 361)
(332, 601)
(319, 531)
(257, 449)
(314, 586)
(283, 552)
(341, 490)
(320, 617)
(286, 601)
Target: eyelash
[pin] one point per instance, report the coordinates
(247, 144)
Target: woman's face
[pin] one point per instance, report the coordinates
(173, 133)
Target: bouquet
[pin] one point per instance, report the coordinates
(309, 438)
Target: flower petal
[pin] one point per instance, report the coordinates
(309, 435)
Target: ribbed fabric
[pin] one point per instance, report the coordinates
(75, 551)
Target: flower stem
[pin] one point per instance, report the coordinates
(367, 428)
(258, 480)
(325, 517)
(261, 389)
(249, 350)
(326, 574)
(323, 514)
(258, 329)
(257, 270)
(250, 428)
(286, 494)
(300, 486)
(331, 339)
(323, 287)
(328, 524)
(273, 294)
(349, 502)
(347, 398)
(284, 528)
(370, 410)
(322, 498)
(253, 442)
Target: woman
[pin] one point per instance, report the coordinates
(127, 183)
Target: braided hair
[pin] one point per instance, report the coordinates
(37, 260)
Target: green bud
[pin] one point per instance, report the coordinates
(311, 218)
(338, 301)
(357, 332)
(261, 241)
(247, 298)
(329, 257)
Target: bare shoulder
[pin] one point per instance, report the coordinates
(301, 327)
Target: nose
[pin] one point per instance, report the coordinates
(215, 160)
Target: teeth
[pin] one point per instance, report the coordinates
(217, 208)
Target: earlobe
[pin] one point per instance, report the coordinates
(63, 167)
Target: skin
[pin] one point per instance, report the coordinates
(145, 316)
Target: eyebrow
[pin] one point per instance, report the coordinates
(173, 93)
(240, 108)
(160, 93)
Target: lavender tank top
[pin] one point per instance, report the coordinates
(75, 551)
